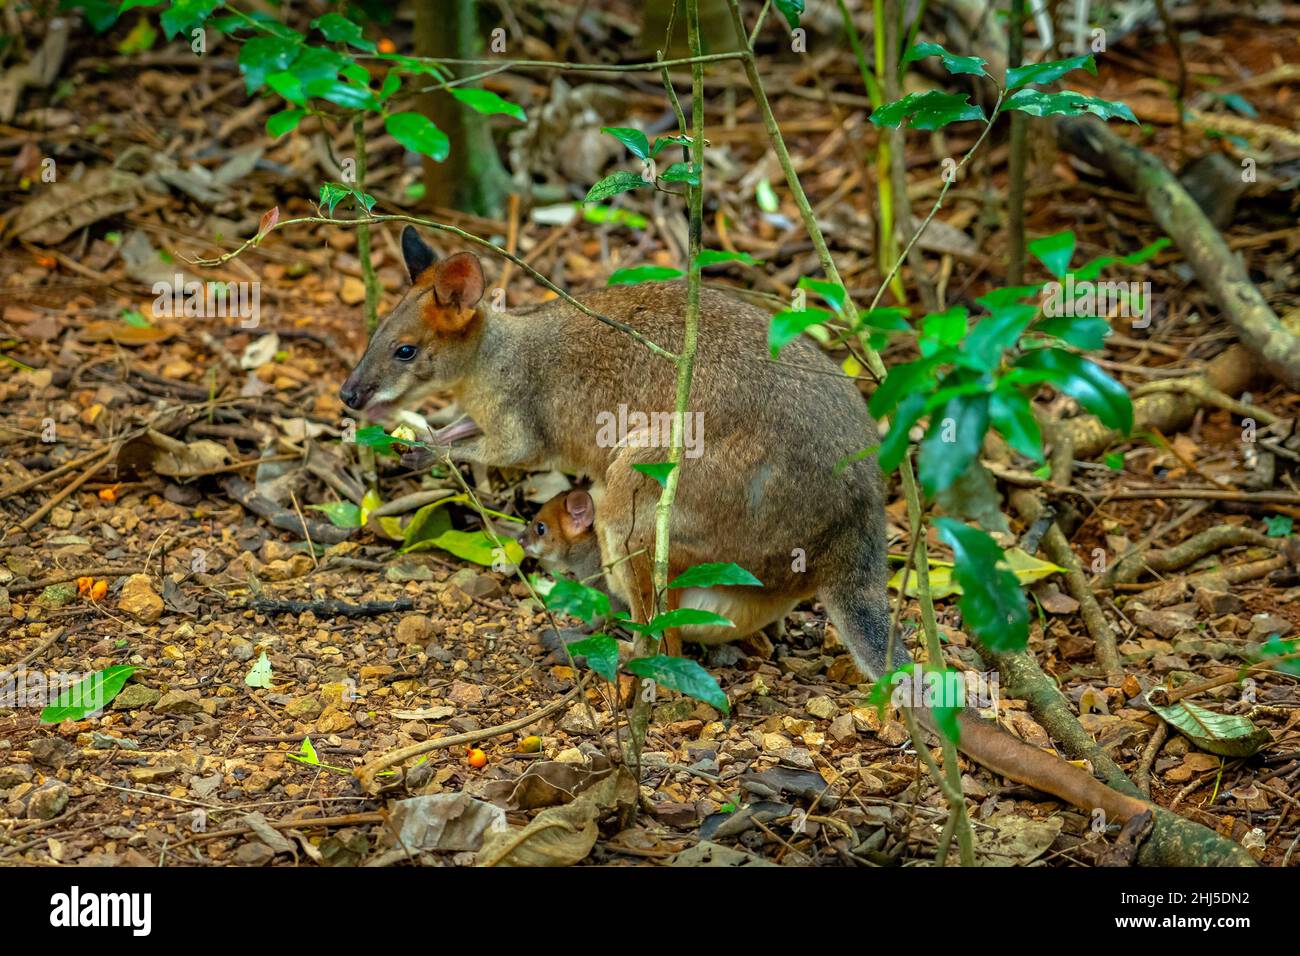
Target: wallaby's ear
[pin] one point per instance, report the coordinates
(416, 252)
(581, 509)
(458, 281)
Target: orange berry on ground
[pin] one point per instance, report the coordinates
(108, 494)
(84, 584)
(530, 745)
(98, 591)
(387, 46)
(477, 758)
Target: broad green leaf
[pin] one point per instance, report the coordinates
(792, 10)
(953, 63)
(261, 56)
(418, 134)
(894, 445)
(1008, 295)
(88, 696)
(992, 605)
(712, 575)
(1083, 332)
(348, 95)
(682, 675)
(1092, 269)
(1276, 647)
(687, 617)
(1082, 380)
(953, 440)
(259, 675)
(341, 514)
(642, 274)
(184, 15)
(601, 652)
(942, 329)
(681, 173)
(1012, 415)
(284, 121)
(619, 182)
(901, 381)
(374, 436)
(890, 318)
(1067, 103)
(993, 335)
(488, 103)
(426, 526)
(712, 257)
(1047, 72)
(478, 547)
(1055, 252)
(1227, 735)
(658, 470)
(1279, 526)
(633, 139)
(578, 600)
(786, 326)
(339, 29)
(674, 139)
(929, 110)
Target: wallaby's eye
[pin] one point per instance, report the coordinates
(404, 353)
(540, 528)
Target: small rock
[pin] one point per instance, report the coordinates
(48, 800)
(54, 752)
(256, 853)
(842, 728)
(136, 697)
(1165, 623)
(465, 694)
(178, 702)
(844, 671)
(61, 518)
(1264, 626)
(413, 629)
(758, 645)
(823, 708)
(679, 815)
(894, 733)
(139, 600)
(304, 708)
(288, 568)
(1217, 603)
(15, 774)
(57, 596)
(453, 599)
(352, 291)
(241, 649)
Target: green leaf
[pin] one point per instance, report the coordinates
(894, 445)
(658, 470)
(642, 274)
(682, 675)
(953, 63)
(261, 56)
(184, 15)
(929, 110)
(792, 10)
(1091, 270)
(942, 329)
(1228, 735)
(992, 604)
(259, 675)
(347, 95)
(1276, 647)
(1068, 103)
(619, 182)
(890, 318)
(714, 574)
(1083, 380)
(426, 526)
(766, 197)
(786, 326)
(1008, 295)
(478, 547)
(374, 436)
(341, 514)
(339, 29)
(953, 440)
(1055, 252)
(712, 257)
(687, 617)
(418, 134)
(577, 600)
(633, 139)
(681, 173)
(1012, 415)
(674, 139)
(601, 652)
(1279, 526)
(1047, 72)
(836, 296)
(1115, 460)
(1083, 332)
(141, 38)
(277, 124)
(88, 696)
(993, 335)
(903, 380)
(489, 103)
(931, 680)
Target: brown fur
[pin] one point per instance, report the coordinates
(764, 494)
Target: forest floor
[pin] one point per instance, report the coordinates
(169, 427)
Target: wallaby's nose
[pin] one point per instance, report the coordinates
(354, 394)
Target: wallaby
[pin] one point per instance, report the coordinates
(540, 386)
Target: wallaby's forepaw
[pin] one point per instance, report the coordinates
(419, 459)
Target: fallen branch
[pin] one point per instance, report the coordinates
(330, 607)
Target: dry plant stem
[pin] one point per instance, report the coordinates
(1149, 757)
(1180, 555)
(645, 644)
(366, 773)
(468, 237)
(39, 514)
(1058, 550)
(1200, 389)
(1187, 690)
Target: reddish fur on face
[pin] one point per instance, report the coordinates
(455, 285)
(567, 518)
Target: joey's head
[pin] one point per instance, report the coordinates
(430, 339)
(560, 528)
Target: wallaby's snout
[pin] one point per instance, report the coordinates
(356, 394)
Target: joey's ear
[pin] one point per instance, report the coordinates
(416, 252)
(458, 281)
(581, 509)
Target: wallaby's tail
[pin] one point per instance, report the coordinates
(859, 609)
